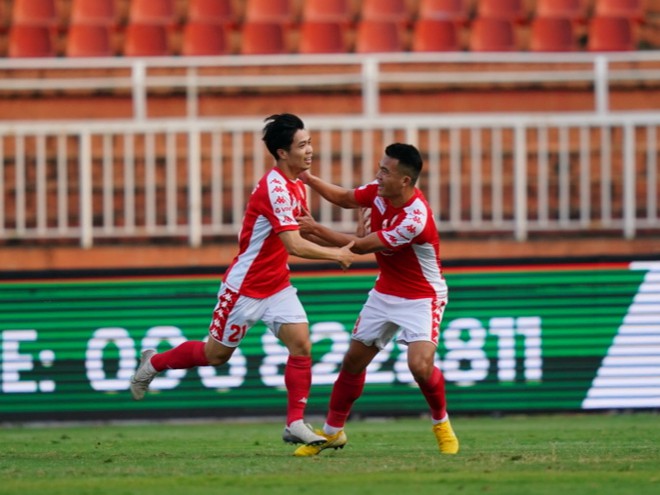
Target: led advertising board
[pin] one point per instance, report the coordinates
(532, 337)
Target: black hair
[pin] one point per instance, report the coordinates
(279, 131)
(409, 158)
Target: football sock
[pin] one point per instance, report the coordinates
(298, 380)
(184, 356)
(434, 392)
(346, 390)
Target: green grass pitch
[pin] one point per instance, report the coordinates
(581, 454)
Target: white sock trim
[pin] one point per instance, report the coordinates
(443, 420)
(331, 430)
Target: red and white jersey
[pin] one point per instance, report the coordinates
(260, 268)
(411, 267)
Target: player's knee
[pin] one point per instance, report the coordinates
(217, 356)
(421, 370)
(302, 347)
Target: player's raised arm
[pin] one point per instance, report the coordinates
(337, 195)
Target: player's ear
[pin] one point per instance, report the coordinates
(282, 153)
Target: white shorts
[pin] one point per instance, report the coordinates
(234, 314)
(382, 316)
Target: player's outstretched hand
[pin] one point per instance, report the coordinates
(346, 255)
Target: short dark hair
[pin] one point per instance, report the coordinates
(279, 131)
(409, 158)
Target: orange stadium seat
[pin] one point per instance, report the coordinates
(513, 10)
(327, 11)
(552, 34)
(492, 35)
(385, 10)
(278, 11)
(575, 10)
(378, 37)
(146, 40)
(263, 38)
(35, 12)
(435, 35)
(212, 11)
(204, 38)
(610, 34)
(322, 37)
(89, 40)
(99, 12)
(630, 9)
(30, 41)
(153, 12)
(452, 10)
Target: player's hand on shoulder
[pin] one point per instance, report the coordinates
(306, 222)
(304, 176)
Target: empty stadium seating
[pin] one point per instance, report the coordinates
(212, 11)
(574, 10)
(490, 34)
(378, 36)
(98, 12)
(607, 34)
(435, 35)
(205, 38)
(263, 38)
(146, 40)
(385, 10)
(328, 11)
(30, 41)
(89, 40)
(153, 12)
(35, 12)
(271, 11)
(511, 10)
(629, 9)
(552, 34)
(59, 15)
(452, 10)
(322, 37)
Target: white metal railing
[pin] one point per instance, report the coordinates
(367, 74)
(514, 174)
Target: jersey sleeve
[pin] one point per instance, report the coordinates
(405, 229)
(366, 194)
(280, 206)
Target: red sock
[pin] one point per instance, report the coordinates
(434, 392)
(346, 390)
(298, 381)
(184, 356)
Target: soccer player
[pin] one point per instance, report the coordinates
(409, 295)
(257, 286)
